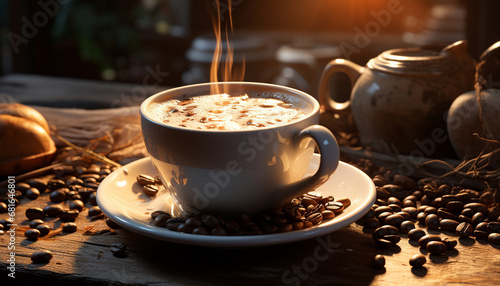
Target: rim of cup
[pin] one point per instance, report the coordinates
(163, 95)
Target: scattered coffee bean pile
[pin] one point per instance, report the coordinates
(302, 212)
(408, 207)
(71, 190)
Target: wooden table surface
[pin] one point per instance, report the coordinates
(340, 258)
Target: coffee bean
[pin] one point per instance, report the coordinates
(312, 195)
(184, 228)
(448, 224)
(161, 219)
(369, 214)
(92, 198)
(316, 218)
(194, 221)
(32, 234)
(68, 215)
(424, 240)
(118, 249)
(394, 220)
(150, 190)
(291, 211)
(297, 225)
(416, 234)
(468, 212)
(201, 230)
(436, 247)
(480, 234)
(34, 213)
(406, 226)
(69, 227)
(383, 193)
(57, 196)
(72, 181)
(494, 238)
(462, 218)
(378, 262)
(5, 223)
(76, 205)
(394, 207)
(477, 207)
(313, 209)
(449, 198)
(372, 223)
(409, 203)
(219, 231)
(455, 206)
(93, 185)
(34, 223)
(477, 218)
(450, 244)
(144, 179)
(41, 256)
(381, 210)
(327, 199)
(22, 187)
(328, 214)
(421, 217)
(32, 193)
(405, 215)
(494, 213)
(337, 207)
(383, 216)
(464, 229)
(446, 215)
(418, 260)
(52, 210)
(346, 202)
(3, 207)
(85, 193)
(37, 183)
(432, 221)
(430, 210)
(412, 211)
(173, 223)
(89, 178)
(493, 227)
(54, 184)
(95, 210)
(309, 201)
(44, 229)
(104, 171)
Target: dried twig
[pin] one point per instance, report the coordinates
(89, 153)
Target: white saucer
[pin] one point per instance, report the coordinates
(122, 200)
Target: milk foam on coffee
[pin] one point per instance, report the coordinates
(226, 112)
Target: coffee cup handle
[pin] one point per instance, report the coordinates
(329, 161)
(352, 70)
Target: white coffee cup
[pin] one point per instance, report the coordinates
(242, 171)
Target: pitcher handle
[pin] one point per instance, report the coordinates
(352, 70)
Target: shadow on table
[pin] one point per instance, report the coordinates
(340, 258)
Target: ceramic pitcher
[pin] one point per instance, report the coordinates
(400, 98)
(474, 117)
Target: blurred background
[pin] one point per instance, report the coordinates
(283, 41)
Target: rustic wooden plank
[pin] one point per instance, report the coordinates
(346, 260)
(66, 92)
